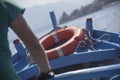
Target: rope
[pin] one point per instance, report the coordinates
(98, 40)
(89, 42)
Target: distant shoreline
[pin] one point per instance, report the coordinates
(96, 5)
(112, 4)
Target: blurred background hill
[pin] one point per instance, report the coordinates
(87, 9)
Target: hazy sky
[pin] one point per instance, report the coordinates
(29, 3)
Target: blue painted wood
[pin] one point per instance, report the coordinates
(116, 77)
(20, 50)
(84, 57)
(107, 50)
(53, 19)
(89, 25)
(113, 36)
(21, 53)
(102, 45)
(119, 38)
(90, 73)
(20, 64)
(68, 60)
(28, 72)
(15, 58)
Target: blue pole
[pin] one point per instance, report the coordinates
(20, 49)
(89, 25)
(53, 19)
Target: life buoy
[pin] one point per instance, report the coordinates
(62, 42)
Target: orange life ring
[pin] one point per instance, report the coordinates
(62, 42)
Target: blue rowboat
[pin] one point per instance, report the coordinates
(100, 60)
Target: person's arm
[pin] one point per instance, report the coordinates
(21, 28)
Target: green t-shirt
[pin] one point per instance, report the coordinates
(9, 10)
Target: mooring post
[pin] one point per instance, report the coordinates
(20, 49)
(53, 19)
(89, 25)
